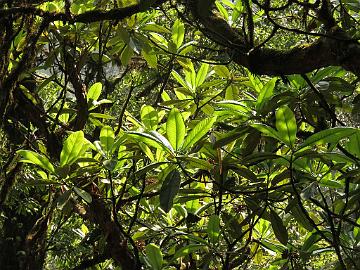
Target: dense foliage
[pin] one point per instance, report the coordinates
(194, 134)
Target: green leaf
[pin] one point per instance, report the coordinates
(83, 194)
(154, 256)
(353, 146)
(231, 136)
(94, 91)
(213, 228)
(222, 71)
(259, 156)
(149, 117)
(201, 75)
(74, 147)
(222, 10)
(339, 85)
(159, 40)
(250, 142)
(265, 94)
(279, 228)
(107, 138)
(286, 125)
(178, 32)
(196, 163)
(244, 172)
(150, 57)
(151, 167)
(311, 239)
(331, 183)
(37, 159)
(101, 116)
(332, 135)
(179, 79)
(231, 92)
(63, 198)
(175, 128)
(169, 190)
(272, 246)
(238, 9)
(198, 132)
(126, 55)
(356, 230)
(146, 138)
(189, 70)
(96, 104)
(162, 140)
(268, 131)
(187, 250)
(153, 27)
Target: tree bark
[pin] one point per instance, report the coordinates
(335, 48)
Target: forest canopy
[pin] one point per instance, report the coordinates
(190, 134)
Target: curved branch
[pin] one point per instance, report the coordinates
(86, 264)
(86, 17)
(303, 58)
(335, 48)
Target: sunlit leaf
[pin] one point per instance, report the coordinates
(356, 230)
(149, 117)
(74, 147)
(102, 116)
(94, 91)
(222, 71)
(150, 57)
(107, 138)
(153, 27)
(286, 125)
(179, 79)
(353, 146)
(154, 256)
(146, 138)
(273, 246)
(175, 128)
(160, 40)
(265, 94)
(238, 9)
(189, 70)
(332, 135)
(222, 10)
(162, 140)
(37, 159)
(178, 32)
(268, 131)
(198, 132)
(202, 73)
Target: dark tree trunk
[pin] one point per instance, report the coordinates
(16, 252)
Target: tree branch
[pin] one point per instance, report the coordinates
(335, 48)
(86, 17)
(86, 264)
